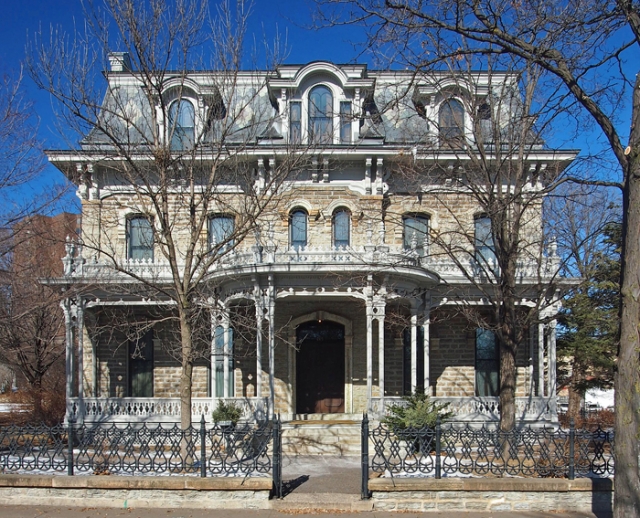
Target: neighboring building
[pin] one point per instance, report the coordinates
(357, 307)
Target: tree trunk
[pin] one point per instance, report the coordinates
(507, 385)
(627, 389)
(575, 399)
(186, 373)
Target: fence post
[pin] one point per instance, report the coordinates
(438, 448)
(203, 448)
(277, 457)
(572, 449)
(364, 458)
(70, 441)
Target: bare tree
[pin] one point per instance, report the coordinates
(172, 148)
(582, 47)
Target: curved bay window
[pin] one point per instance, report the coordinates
(298, 229)
(416, 233)
(320, 115)
(340, 226)
(182, 121)
(139, 239)
(451, 123)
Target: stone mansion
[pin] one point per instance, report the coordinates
(321, 268)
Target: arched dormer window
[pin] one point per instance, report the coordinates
(451, 123)
(341, 223)
(320, 115)
(298, 229)
(182, 122)
(416, 233)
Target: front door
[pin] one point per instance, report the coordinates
(320, 368)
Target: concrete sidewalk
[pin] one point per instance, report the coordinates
(91, 512)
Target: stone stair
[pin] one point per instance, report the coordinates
(321, 434)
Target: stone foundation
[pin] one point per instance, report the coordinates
(474, 494)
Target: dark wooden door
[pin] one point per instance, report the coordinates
(320, 368)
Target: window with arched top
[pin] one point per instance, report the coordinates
(139, 238)
(416, 233)
(298, 229)
(182, 122)
(320, 115)
(341, 223)
(221, 227)
(451, 123)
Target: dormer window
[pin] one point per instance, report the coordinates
(345, 122)
(295, 122)
(321, 115)
(182, 122)
(451, 124)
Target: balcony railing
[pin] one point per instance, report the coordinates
(375, 256)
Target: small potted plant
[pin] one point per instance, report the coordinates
(226, 415)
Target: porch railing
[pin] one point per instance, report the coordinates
(528, 409)
(158, 409)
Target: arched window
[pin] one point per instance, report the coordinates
(340, 224)
(221, 228)
(182, 121)
(451, 123)
(320, 115)
(139, 238)
(416, 233)
(298, 229)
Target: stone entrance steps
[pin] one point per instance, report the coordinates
(322, 434)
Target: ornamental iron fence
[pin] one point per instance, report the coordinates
(483, 450)
(140, 449)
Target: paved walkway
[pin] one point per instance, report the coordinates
(304, 474)
(91, 512)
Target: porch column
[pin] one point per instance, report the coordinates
(226, 355)
(212, 366)
(259, 320)
(369, 323)
(414, 350)
(69, 364)
(80, 335)
(271, 294)
(381, 357)
(541, 328)
(426, 349)
(552, 360)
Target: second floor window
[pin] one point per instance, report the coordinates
(340, 224)
(416, 233)
(298, 229)
(321, 115)
(182, 125)
(484, 246)
(139, 239)
(221, 229)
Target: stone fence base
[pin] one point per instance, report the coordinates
(136, 492)
(485, 494)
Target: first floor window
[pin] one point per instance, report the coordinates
(141, 366)
(487, 364)
(139, 238)
(220, 356)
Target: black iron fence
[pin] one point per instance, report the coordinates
(464, 449)
(134, 449)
